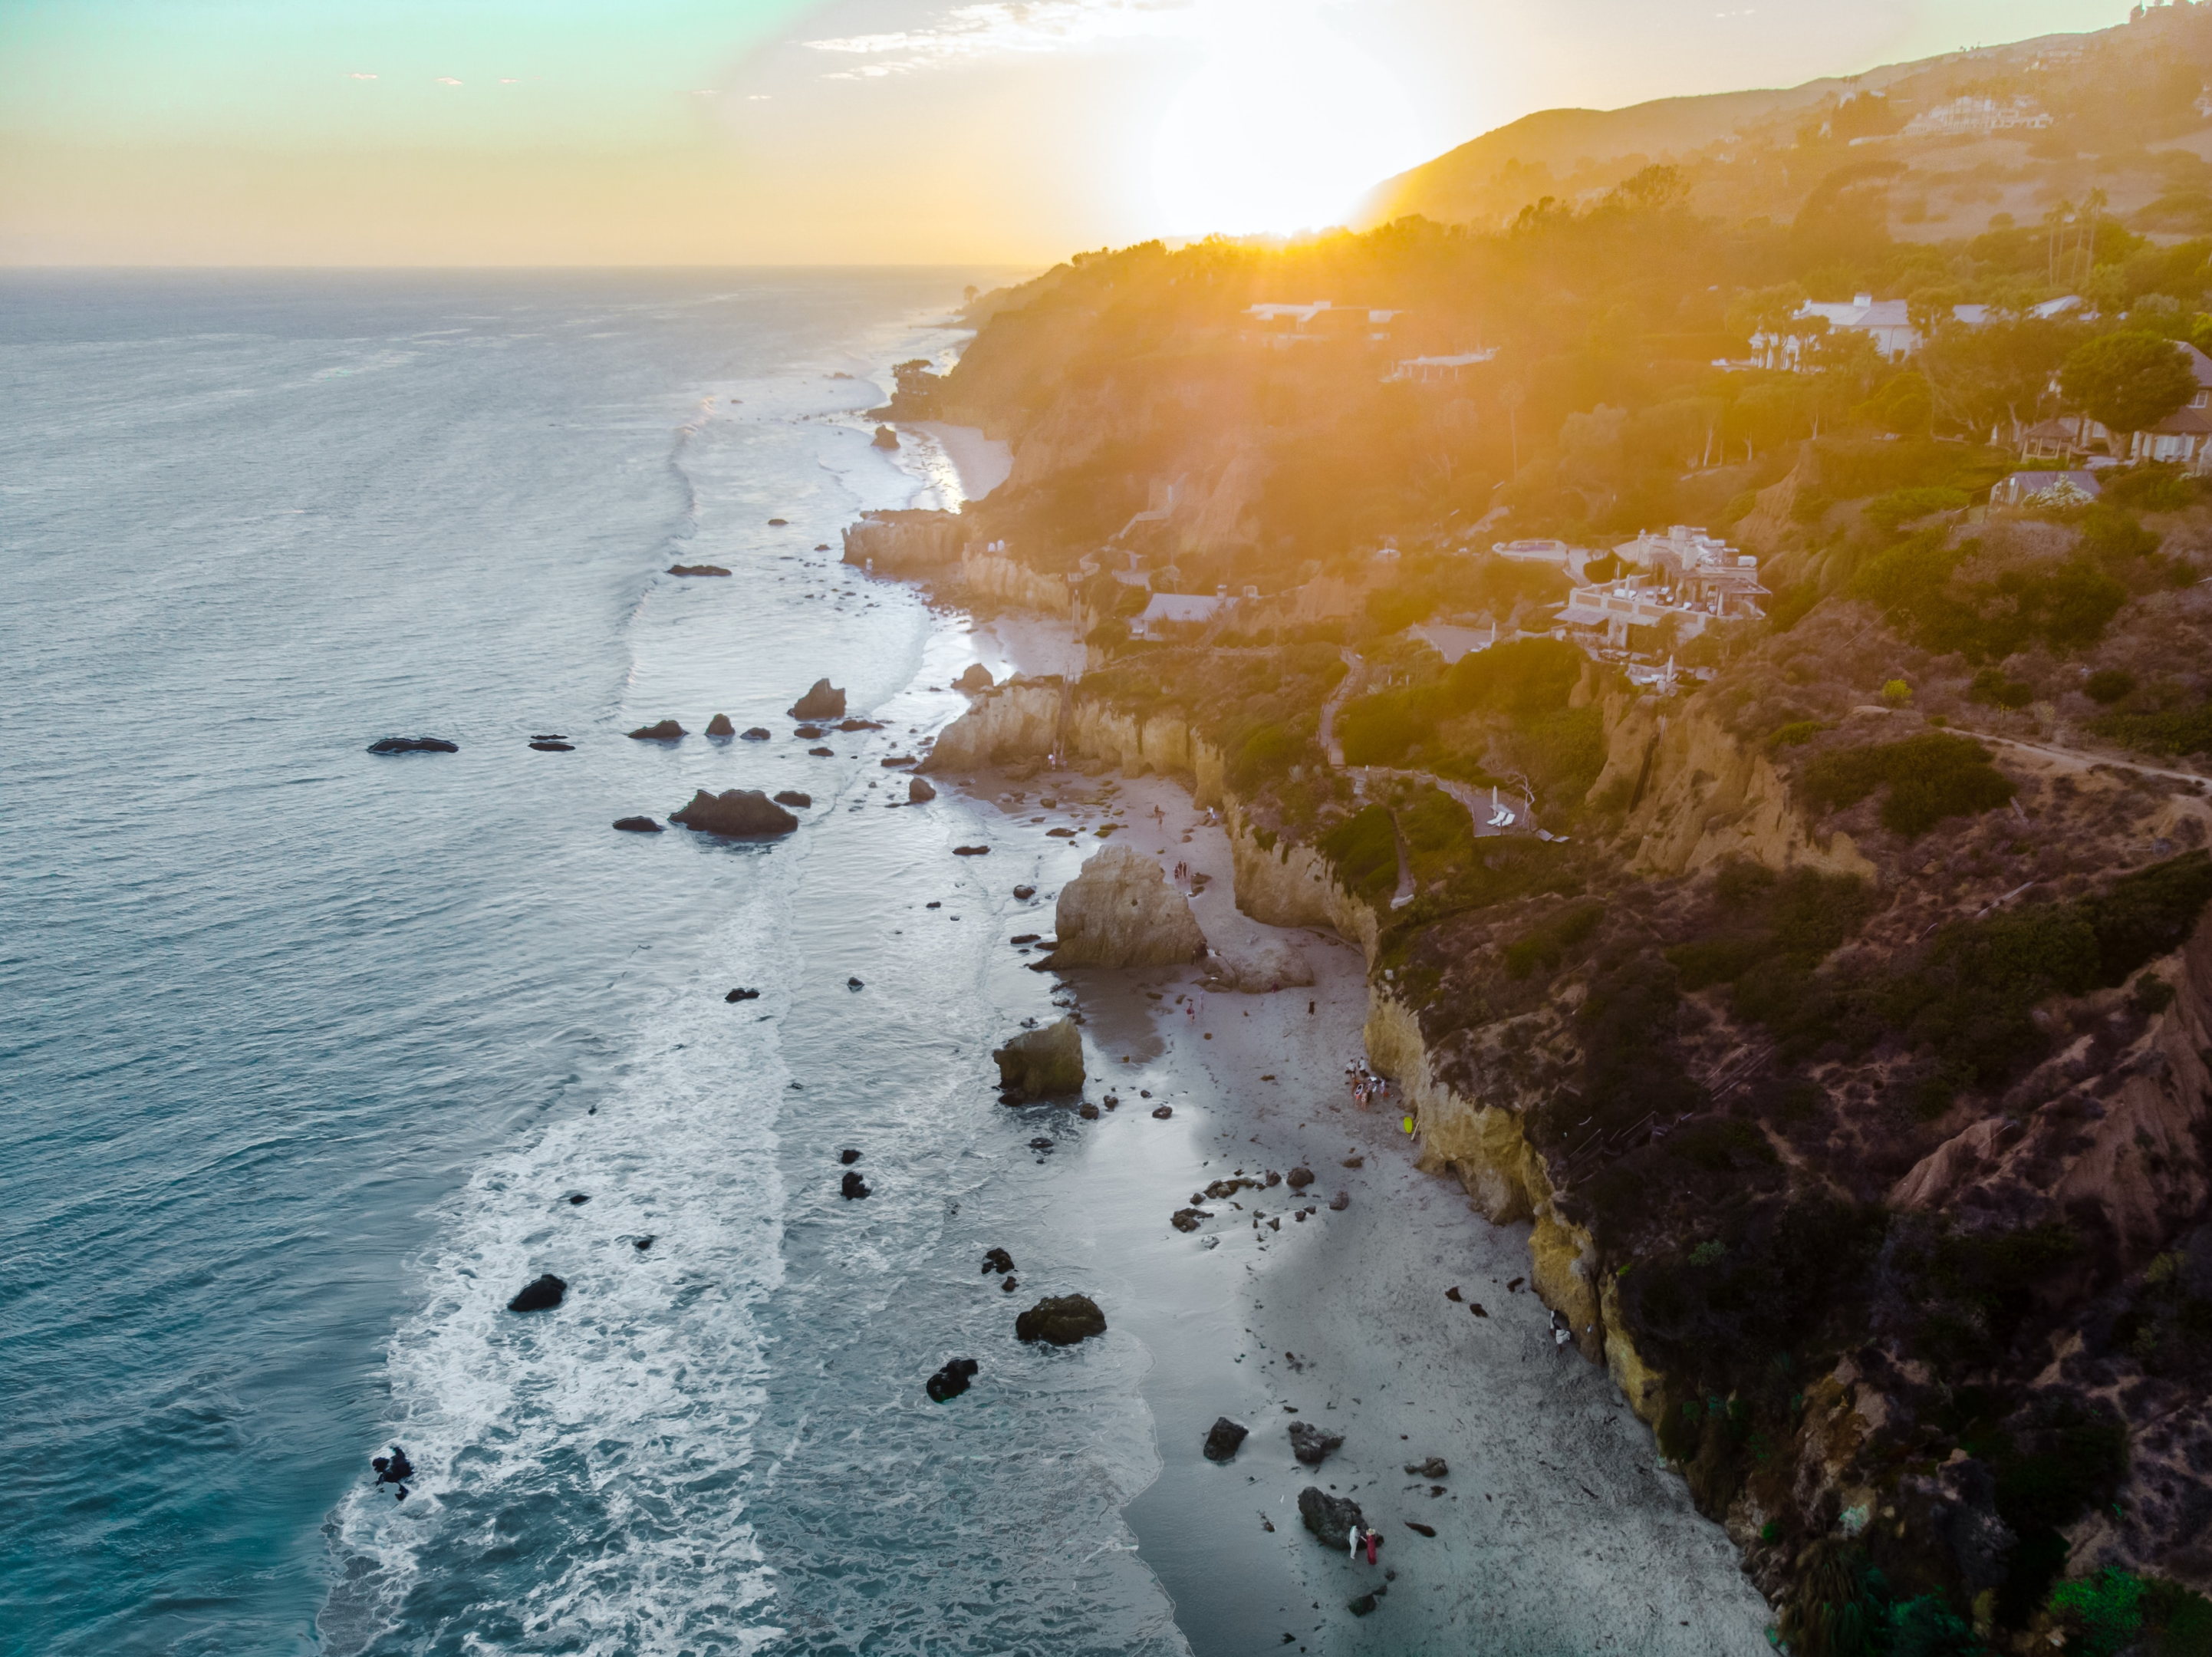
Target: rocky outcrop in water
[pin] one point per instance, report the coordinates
(976, 677)
(413, 744)
(1120, 911)
(719, 726)
(884, 438)
(918, 792)
(755, 733)
(637, 826)
(1043, 1063)
(736, 813)
(793, 797)
(541, 1295)
(823, 701)
(666, 730)
(697, 569)
(1061, 1320)
(950, 1381)
(1332, 1519)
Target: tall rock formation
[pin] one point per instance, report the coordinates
(1120, 911)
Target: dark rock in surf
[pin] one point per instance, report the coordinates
(641, 1244)
(853, 1186)
(1330, 1518)
(1087, 1111)
(860, 725)
(918, 790)
(1187, 1219)
(755, 733)
(697, 569)
(821, 754)
(777, 523)
(1298, 1178)
(1340, 1202)
(719, 726)
(823, 701)
(793, 797)
(543, 1295)
(1043, 1063)
(1024, 893)
(1162, 1113)
(578, 1198)
(971, 851)
(854, 985)
(666, 731)
(413, 744)
(1222, 1438)
(998, 1260)
(736, 813)
(811, 732)
(637, 826)
(976, 677)
(884, 438)
(742, 995)
(1061, 1319)
(552, 745)
(848, 1156)
(1312, 1445)
(950, 1381)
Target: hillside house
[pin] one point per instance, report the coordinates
(1699, 571)
(1284, 326)
(2184, 436)
(2071, 488)
(1437, 370)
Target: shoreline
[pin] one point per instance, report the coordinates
(1555, 1488)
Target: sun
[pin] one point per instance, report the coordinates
(1282, 127)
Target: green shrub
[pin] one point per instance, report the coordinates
(2107, 685)
(2112, 537)
(1546, 947)
(1992, 689)
(1364, 851)
(1384, 729)
(2148, 488)
(1914, 585)
(1796, 733)
(1930, 778)
(2105, 1611)
(1901, 506)
(2176, 731)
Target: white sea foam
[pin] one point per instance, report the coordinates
(603, 1436)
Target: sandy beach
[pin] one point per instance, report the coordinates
(1557, 1529)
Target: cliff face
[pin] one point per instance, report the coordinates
(1698, 797)
(907, 543)
(1020, 719)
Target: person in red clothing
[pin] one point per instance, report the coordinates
(1374, 1541)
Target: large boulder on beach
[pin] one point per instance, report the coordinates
(1061, 1319)
(1256, 967)
(1312, 1445)
(1018, 721)
(1042, 1064)
(824, 701)
(1120, 911)
(1330, 1518)
(976, 677)
(1222, 1438)
(739, 813)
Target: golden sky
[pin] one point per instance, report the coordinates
(793, 132)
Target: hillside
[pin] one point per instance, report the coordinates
(1843, 1036)
(2121, 117)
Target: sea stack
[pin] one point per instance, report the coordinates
(1120, 911)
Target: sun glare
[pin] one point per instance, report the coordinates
(1281, 127)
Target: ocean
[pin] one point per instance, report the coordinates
(312, 1058)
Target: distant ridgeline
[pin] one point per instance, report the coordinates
(1827, 981)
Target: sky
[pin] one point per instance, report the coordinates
(473, 132)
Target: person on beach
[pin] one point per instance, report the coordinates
(1374, 1541)
(1352, 1550)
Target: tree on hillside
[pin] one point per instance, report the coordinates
(1765, 317)
(2128, 381)
(1999, 373)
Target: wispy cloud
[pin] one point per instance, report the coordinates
(1002, 27)
(446, 80)
(357, 75)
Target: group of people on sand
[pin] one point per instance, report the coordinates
(1366, 1087)
(1368, 1539)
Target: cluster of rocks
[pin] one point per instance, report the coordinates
(736, 813)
